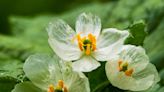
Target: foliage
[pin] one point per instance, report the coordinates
(28, 36)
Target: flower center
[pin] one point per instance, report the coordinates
(123, 67)
(60, 87)
(87, 44)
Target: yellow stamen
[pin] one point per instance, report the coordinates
(88, 50)
(80, 43)
(80, 46)
(65, 89)
(51, 88)
(119, 65)
(78, 37)
(61, 83)
(60, 87)
(93, 40)
(86, 44)
(129, 72)
(123, 67)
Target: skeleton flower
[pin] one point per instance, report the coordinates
(47, 74)
(131, 70)
(85, 46)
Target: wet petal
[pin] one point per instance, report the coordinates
(85, 64)
(61, 38)
(111, 36)
(118, 79)
(136, 57)
(74, 79)
(43, 70)
(107, 53)
(137, 82)
(147, 77)
(109, 43)
(88, 23)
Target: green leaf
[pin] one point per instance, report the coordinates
(161, 73)
(138, 33)
(161, 89)
(11, 68)
(26, 87)
(99, 82)
(154, 45)
(97, 78)
(7, 83)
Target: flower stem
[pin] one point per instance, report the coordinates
(101, 86)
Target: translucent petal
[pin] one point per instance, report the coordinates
(136, 57)
(87, 23)
(146, 78)
(61, 41)
(65, 51)
(43, 70)
(109, 44)
(105, 54)
(85, 64)
(26, 87)
(137, 82)
(118, 79)
(76, 82)
(111, 36)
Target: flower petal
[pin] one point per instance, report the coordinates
(136, 57)
(107, 53)
(61, 38)
(85, 64)
(42, 70)
(111, 36)
(118, 79)
(26, 87)
(137, 82)
(74, 79)
(109, 43)
(146, 78)
(88, 23)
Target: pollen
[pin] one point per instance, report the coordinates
(129, 72)
(87, 43)
(60, 87)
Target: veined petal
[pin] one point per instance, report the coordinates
(139, 81)
(65, 51)
(85, 64)
(109, 44)
(107, 53)
(74, 79)
(61, 38)
(147, 77)
(43, 70)
(87, 23)
(111, 36)
(117, 79)
(26, 87)
(136, 57)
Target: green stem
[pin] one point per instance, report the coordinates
(102, 85)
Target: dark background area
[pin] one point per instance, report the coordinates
(35, 7)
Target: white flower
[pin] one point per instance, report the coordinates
(87, 45)
(47, 74)
(131, 70)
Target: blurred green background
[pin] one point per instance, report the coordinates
(23, 24)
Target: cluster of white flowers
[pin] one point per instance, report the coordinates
(127, 66)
